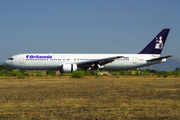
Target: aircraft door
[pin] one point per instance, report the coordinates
(21, 60)
(134, 60)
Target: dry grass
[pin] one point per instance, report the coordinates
(105, 97)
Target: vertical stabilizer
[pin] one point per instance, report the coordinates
(157, 44)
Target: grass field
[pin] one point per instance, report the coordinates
(103, 97)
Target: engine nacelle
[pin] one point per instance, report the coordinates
(69, 67)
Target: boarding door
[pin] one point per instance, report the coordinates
(134, 60)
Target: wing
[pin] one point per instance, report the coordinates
(92, 63)
(160, 58)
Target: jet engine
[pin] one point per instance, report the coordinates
(69, 67)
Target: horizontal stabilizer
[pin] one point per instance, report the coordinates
(160, 58)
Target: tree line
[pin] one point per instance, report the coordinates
(8, 71)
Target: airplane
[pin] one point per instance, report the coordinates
(150, 55)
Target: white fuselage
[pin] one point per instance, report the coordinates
(54, 61)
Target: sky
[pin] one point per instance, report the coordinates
(86, 26)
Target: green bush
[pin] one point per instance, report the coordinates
(39, 74)
(62, 74)
(125, 72)
(51, 72)
(169, 72)
(158, 75)
(163, 73)
(96, 72)
(129, 72)
(88, 73)
(138, 72)
(144, 73)
(115, 73)
(132, 72)
(78, 74)
(3, 67)
(176, 73)
(19, 74)
(27, 74)
(16, 73)
(5, 73)
(153, 72)
(120, 72)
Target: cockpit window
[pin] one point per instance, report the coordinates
(10, 59)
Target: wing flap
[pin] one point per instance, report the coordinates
(100, 62)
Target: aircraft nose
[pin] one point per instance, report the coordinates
(6, 63)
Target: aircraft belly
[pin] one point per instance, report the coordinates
(117, 65)
(123, 65)
(37, 65)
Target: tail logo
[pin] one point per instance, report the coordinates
(159, 43)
